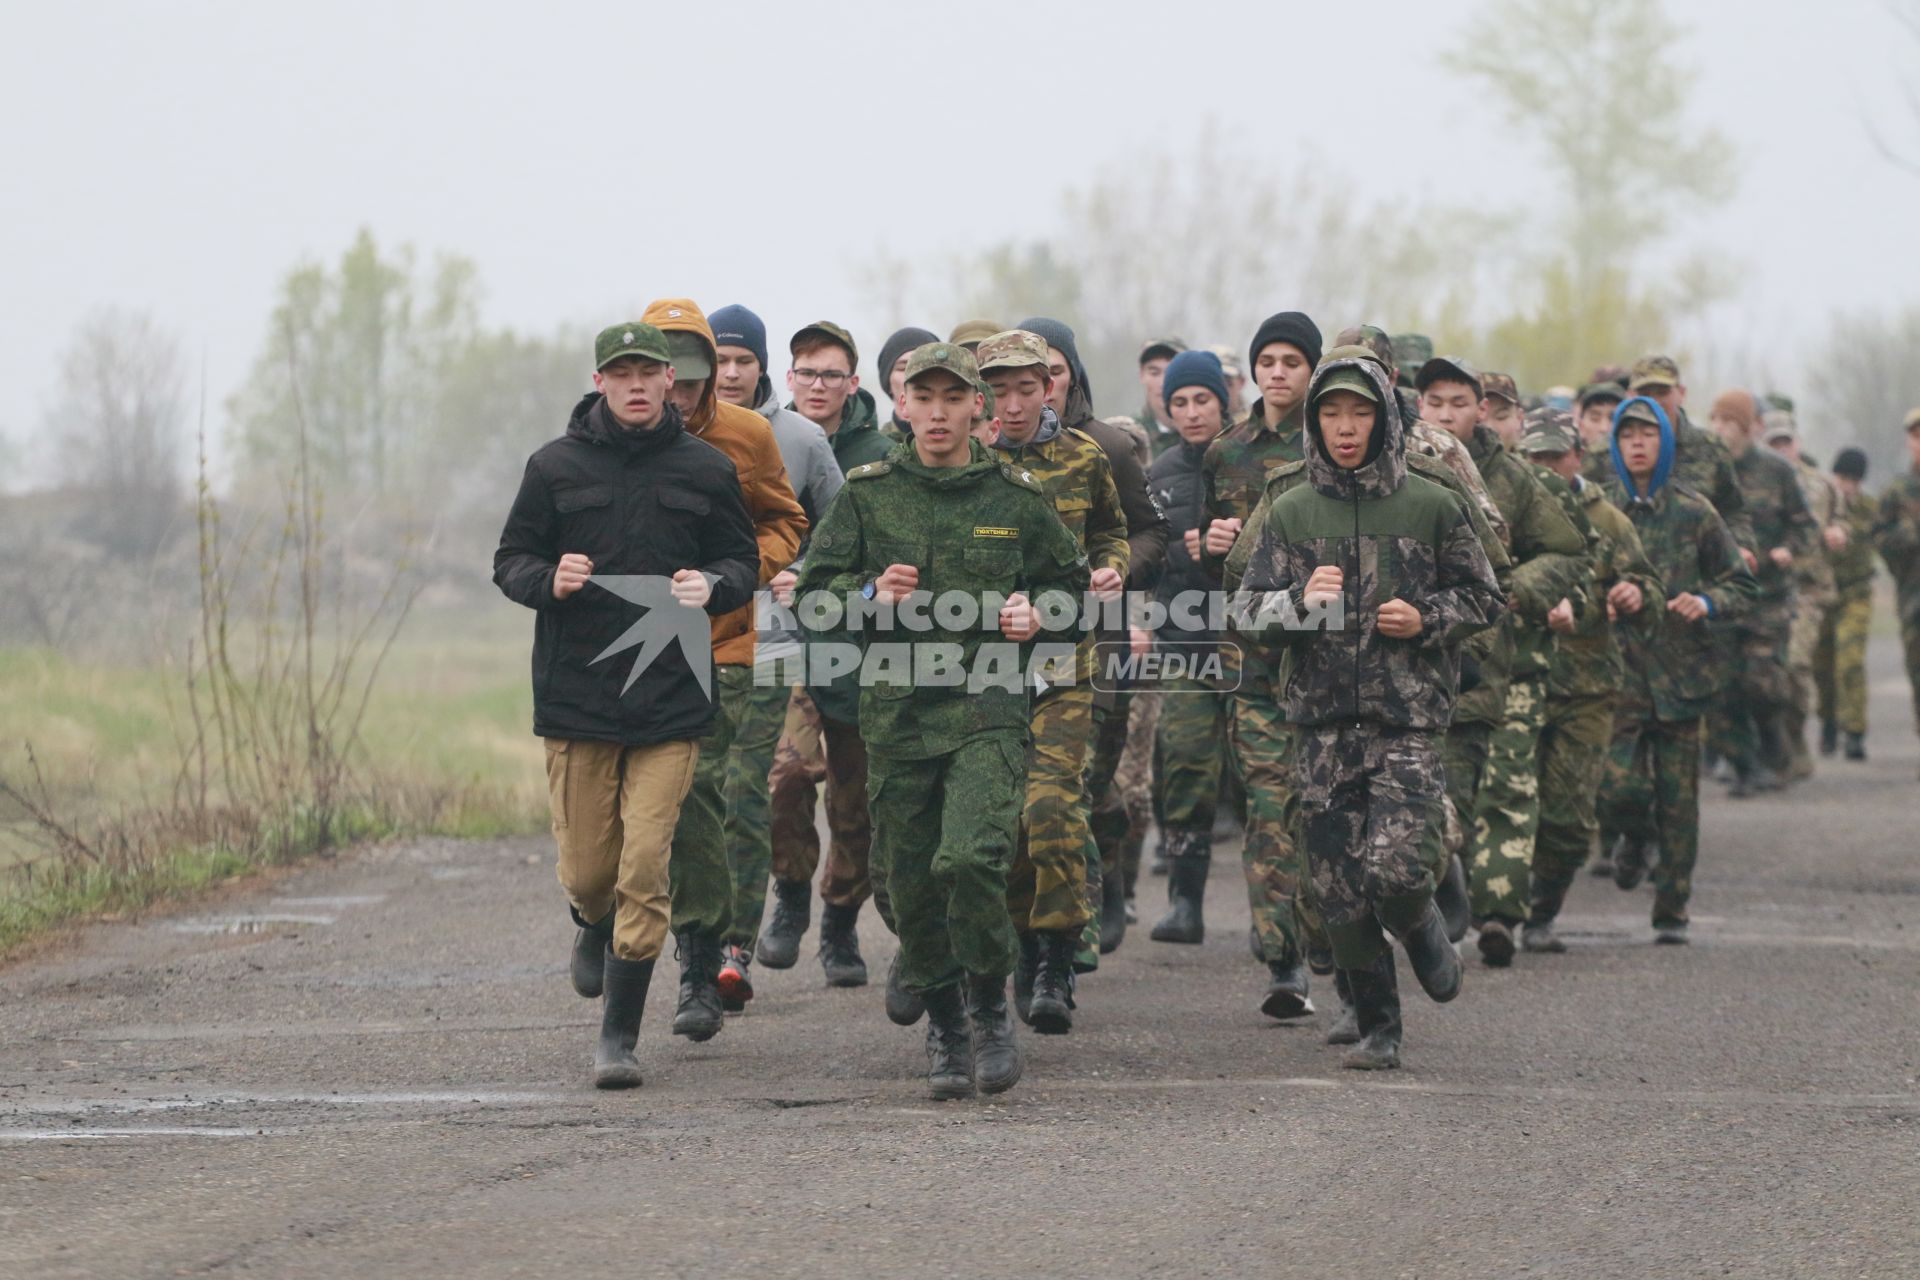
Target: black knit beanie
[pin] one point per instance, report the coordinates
(1293, 327)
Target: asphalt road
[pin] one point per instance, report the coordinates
(374, 1067)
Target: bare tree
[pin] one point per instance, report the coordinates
(1865, 381)
(1905, 154)
(116, 430)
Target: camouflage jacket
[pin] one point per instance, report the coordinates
(1853, 563)
(1896, 532)
(1587, 661)
(1778, 508)
(1235, 468)
(1672, 669)
(1702, 463)
(984, 527)
(1159, 438)
(1395, 535)
(1813, 572)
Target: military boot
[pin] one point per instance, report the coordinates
(1538, 935)
(996, 1055)
(1192, 853)
(840, 946)
(1829, 737)
(1435, 963)
(949, 1044)
(903, 1007)
(625, 999)
(1450, 895)
(1050, 1010)
(1346, 1024)
(1113, 912)
(699, 1015)
(589, 954)
(1287, 992)
(1856, 746)
(1026, 968)
(780, 941)
(1629, 861)
(1376, 1004)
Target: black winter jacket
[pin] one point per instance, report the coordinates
(635, 503)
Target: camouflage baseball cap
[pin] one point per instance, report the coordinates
(1550, 431)
(943, 357)
(971, 333)
(630, 339)
(1229, 360)
(1450, 368)
(832, 333)
(1499, 385)
(1161, 348)
(1411, 351)
(1778, 424)
(1777, 400)
(1011, 349)
(1636, 410)
(1372, 338)
(1595, 392)
(1654, 371)
(1348, 379)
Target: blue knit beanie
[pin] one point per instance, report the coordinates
(735, 326)
(1196, 369)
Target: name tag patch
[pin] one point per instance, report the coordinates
(994, 531)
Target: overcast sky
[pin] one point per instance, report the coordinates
(180, 157)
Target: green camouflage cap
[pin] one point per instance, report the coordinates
(1348, 379)
(1636, 410)
(1371, 338)
(1229, 360)
(971, 333)
(1594, 392)
(943, 357)
(1010, 349)
(832, 333)
(692, 358)
(1500, 385)
(1654, 371)
(1550, 431)
(630, 339)
(1411, 351)
(1777, 400)
(1448, 367)
(1161, 348)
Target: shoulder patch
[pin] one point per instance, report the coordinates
(1021, 476)
(868, 470)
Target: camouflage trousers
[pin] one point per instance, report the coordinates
(813, 749)
(1803, 641)
(1190, 752)
(1652, 792)
(747, 797)
(1047, 885)
(1134, 778)
(1745, 725)
(1573, 760)
(944, 827)
(1107, 819)
(1367, 797)
(1506, 812)
(1910, 643)
(1262, 745)
(1840, 662)
(700, 879)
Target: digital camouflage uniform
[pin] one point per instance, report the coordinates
(1367, 710)
(946, 763)
(1817, 597)
(1651, 794)
(1582, 684)
(1840, 659)
(1896, 533)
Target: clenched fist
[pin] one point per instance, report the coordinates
(1399, 620)
(1324, 585)
(691, 589)
(895, 583)
(1220, 536)
(571, 575)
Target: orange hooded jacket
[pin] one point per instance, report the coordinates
(747, 440)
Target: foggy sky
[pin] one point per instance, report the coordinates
(180, 158)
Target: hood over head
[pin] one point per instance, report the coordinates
(679, 316)
(1059, 336)
(1641, 409)
(1385, 467)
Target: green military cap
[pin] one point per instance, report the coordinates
(1347, 379)
(971, 333)
(631, 339)
(1010, 349)
(1161, 348)
(1372, 339)
(1411, 351)
(1778, 400)
(1637, 410)
(1778, 425)
(692, 359)
(1654, 371)
(1499, 385)
(1596, 392)
(1550, 431)
(832, 333)
(1913, 419)
(1452, 368)
(943, 357)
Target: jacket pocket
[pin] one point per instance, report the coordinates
(582, 498)
(682, 502)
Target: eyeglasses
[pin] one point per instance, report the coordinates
(825, 377)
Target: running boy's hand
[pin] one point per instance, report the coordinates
(571, 575)
(691, 589)
(1324, 585)
(1399, 620)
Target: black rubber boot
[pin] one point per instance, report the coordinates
(625, 999)
(1113, 913)
(1186, 890)
(903, 1007)
(949, 1044)
(589, 954)
(1496, 942)
(1450, 895)
(1829, 737)
(1430, 952)
(996, 1055)
(699, 1016)
(1051, 1010)
(1287, 993)
(1026, 968)
(1346, 1025)
(780, 941)
(1629, 862)
(1856, 746)
(1376, 1003)
(840, 947)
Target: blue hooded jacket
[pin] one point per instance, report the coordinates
(1661, 469)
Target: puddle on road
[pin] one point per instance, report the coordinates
(110, 1135)
(268, 923)
(333, 902)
